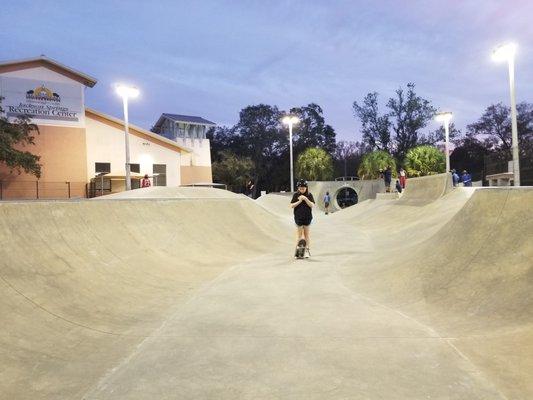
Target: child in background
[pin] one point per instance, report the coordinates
(327, 200)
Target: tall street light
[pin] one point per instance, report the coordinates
(291, 120)
(127, 92)
(445, 118)
(507, 53)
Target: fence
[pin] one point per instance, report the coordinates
(100, 187)
(37, 190)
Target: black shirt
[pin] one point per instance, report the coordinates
(387, 175)
(302, 211)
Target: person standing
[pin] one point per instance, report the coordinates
(302, 203)
(327, 201)
(466, 178)
(403, 177)
(250, 189)
(387, 177)
(455, 178)
(145, 182)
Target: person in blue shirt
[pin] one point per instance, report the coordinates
(455, 178)
(466, 178)
(327, 201)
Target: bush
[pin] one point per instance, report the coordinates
(373, 162)
(425, 160)
(314, 164)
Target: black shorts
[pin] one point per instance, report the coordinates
(326, 205)
(303, 221)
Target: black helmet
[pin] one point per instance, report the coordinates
(301, 183)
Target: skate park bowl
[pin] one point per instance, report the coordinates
(195, 294)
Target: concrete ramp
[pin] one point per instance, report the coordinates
(196, 295)
(469, 282)
(421, 191)
(277, 204)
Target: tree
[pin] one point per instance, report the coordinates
(232, 170)
(375, 128)
(18, 133)
(495, 125)
(424, 160)
(439, 135)
(222, 139)
(375, 161)
(409, 114)
(348, 156)
(312, 130)
(315, 164)
(259, 136)
(469, 154)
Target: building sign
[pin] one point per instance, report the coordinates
(45, 102)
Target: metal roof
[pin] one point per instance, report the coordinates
(189, 119)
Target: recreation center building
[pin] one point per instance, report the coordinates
(82, 150)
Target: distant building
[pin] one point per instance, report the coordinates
(81, 149)
(190, 132)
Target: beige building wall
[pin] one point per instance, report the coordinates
(196, 165)
(63, 155)
(190, 175)
(105, 143)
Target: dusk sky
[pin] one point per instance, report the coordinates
(212, 58)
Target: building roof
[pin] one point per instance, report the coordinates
(43, 61)
(136, 130)
(189, 119)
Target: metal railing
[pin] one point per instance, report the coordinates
(38, 190)
(347, 178)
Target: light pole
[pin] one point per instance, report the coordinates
(290, 120)
(127, 92)
(445, 118)
(507, 53)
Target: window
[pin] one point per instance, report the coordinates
(160, 174)
(135, 168)
(102, 167)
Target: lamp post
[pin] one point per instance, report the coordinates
(507, 53)
(445, 118)
(127, 92)
(290, 120)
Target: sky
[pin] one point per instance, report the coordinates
(212, 58)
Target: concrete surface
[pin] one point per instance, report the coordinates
(196, 296)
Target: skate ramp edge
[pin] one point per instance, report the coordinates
(423, 190)
(277, 204)
(169, 192)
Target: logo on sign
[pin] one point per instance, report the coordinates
(42, 93)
